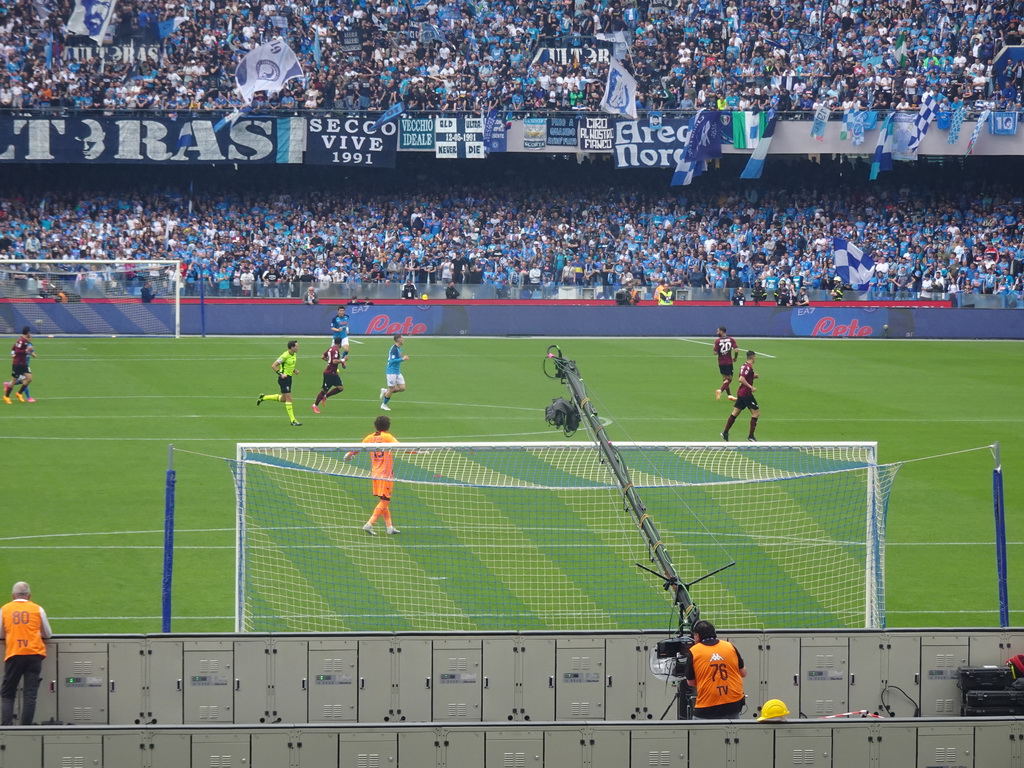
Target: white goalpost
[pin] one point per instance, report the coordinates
(536, 536)
(91, 296)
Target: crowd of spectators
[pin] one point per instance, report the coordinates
(514, 235)
(476, 54)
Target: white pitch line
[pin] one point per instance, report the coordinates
(711, 344)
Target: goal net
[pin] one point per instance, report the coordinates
(91, 296)
(537, 537)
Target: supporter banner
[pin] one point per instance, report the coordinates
(903, 134)
(459, 138)
(572, 50)
(416, 133)
(636, 145)
(1002, 124)
(535, 131)
(351, 141)
(350, 41)
(562, 132)
(495, 132)
(596, 134)
(117, 54)
(150, 140)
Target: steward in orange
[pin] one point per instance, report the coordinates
(23, 628)
(715, 670)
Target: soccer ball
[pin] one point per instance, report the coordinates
(424, 297)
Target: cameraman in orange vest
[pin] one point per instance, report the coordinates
(23, 628)
(715, 670)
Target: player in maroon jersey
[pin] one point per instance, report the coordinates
(332, 381)
(21, 373)
(745, 399)
(725, 348)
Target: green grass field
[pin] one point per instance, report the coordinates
(83, 469)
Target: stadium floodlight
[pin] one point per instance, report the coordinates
(110, 297)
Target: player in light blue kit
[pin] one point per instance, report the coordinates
(396, 382)
(339, 329)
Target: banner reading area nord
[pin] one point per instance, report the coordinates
(151, 140)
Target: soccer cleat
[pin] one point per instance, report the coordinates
(732, 398)
(393, 530)
(725, 436)
(296, 423)
(385, 407)
(751, 439)
(369, 529)
(259, 400)
(30, 400)
(383, 391)
(7, 399)
(315, 409)
(718, 394)
(343, 364)
(20, 396)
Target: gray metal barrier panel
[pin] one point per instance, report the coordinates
(488, 677)
(896, 743)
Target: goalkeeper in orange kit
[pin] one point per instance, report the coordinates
(382, 465)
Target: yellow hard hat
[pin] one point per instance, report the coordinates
(772, 709)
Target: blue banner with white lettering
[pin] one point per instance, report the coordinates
(351, 141)
(150, 140)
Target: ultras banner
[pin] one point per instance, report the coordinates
(151, 140)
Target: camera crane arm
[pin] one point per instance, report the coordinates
(566, 371)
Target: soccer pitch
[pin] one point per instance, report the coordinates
(84, 465)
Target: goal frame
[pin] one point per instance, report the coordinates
(174, 264)
(874, 575)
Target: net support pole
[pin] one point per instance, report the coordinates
(168, 541)
(202, 305)
(1000, 516)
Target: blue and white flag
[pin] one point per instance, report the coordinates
(703, 143)
(389, 114)
(955, 123)
(924, 117)
(755, 165)
(821, 115)
(230, 119)
(1002, 124)
(318, 51)
(430, 33)
(43, 8)
(91, 18)
(982, 119)
(619, 91)
(853, 267)
(267, 68)
(882, 159)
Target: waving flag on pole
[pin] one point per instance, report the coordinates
(882, 159)
(924, 117)
(982, 119)
(900, 50)
(267, 68)
(389, 114)
(619, 91)
(755, 165)
(91, 18)
(853, 267)
(703, 143)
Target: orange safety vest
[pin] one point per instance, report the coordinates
(23, 624)
(716, 670)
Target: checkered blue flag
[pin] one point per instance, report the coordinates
(929, 108)
(853, 267)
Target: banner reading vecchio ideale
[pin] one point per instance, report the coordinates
(351, 141)
(638, 145)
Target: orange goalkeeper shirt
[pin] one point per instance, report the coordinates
(382, 463)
